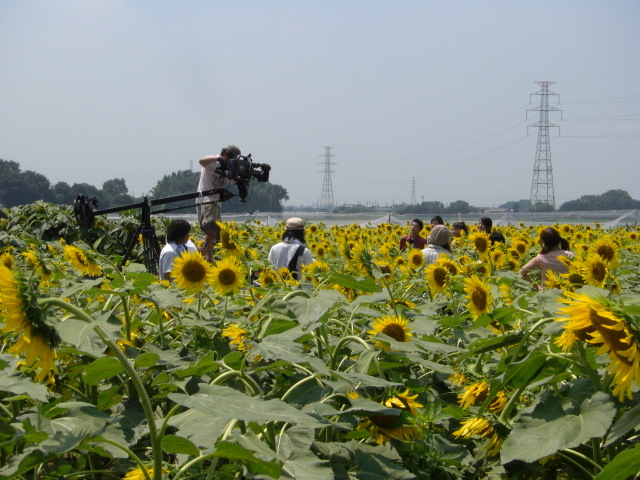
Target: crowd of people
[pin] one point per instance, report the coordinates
(292, 252)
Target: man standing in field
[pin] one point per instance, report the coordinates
(209, 208)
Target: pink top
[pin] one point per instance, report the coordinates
(547, 261)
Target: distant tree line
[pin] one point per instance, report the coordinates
(19, 187)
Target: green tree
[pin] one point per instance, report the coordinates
(459, 206)
(611, 200)
(115, 193)
(542, 207)
(178, 183)
(63, 194)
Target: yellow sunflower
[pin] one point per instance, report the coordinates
(472, 394)
(520, 247)
(25, 320)
(594, 270)
(238, 336)
(37, 263)
(227, 276)
(437, 277)
(81, 262)
(383, 428)
(415, 258)
(190, 271)
(6, 260)
(229, 245)
(448, 264)
(138, 474)
(480, 242)
(268, 276)
(594, 321)
(458, 379)
(606, 249)
(482, 427)
(478, 296)
(393, 326)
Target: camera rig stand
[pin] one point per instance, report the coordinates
(84, 209)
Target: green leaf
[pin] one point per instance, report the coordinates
(22, 385)
(147, 360)
(275, 348)
(629, 421)
(180, 445)
(82, 334)
(533, 437)
(102, 369)
(234, 451)
(225, 402)
(623, 467)
(294, 446)
(364, 284)
(310, 310)
(521, 373)
(492, 343)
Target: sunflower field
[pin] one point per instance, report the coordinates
(372, 366)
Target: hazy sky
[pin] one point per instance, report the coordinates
(427, 92)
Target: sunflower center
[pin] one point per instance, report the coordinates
(395, 331)
(598, 271)
(194, 272)
(440, 276)
(479, 298)
(606, 252)
(386, 421)
(480, 244)
(227, 277)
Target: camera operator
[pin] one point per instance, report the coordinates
(209, 208)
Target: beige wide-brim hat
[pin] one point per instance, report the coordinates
(295, 223)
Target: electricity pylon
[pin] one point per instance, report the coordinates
(542, 184)
(326, 200)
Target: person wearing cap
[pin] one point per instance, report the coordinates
(291, 252)
(208, 206)
(438, 243)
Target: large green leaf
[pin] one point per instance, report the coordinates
(278, 347)
(255, 465)
(314, 309)
(623, 467)
(102, 368)
(534, 437)
(294, 447)
(364, 284)
(22, 385)
(180, 445)
(202, 429)
(225, 402)
(82, 334)
(629, 421)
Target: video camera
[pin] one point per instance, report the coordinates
(241, 170)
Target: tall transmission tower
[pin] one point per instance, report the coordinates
(542, 184)
(413, 191)
(326, 200)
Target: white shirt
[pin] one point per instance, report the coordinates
(281, 254)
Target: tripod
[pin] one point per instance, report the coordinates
(150, 244)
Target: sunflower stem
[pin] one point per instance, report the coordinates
(156, 444)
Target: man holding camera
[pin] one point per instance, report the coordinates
(208, 206)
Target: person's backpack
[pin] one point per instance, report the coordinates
(293, 263)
